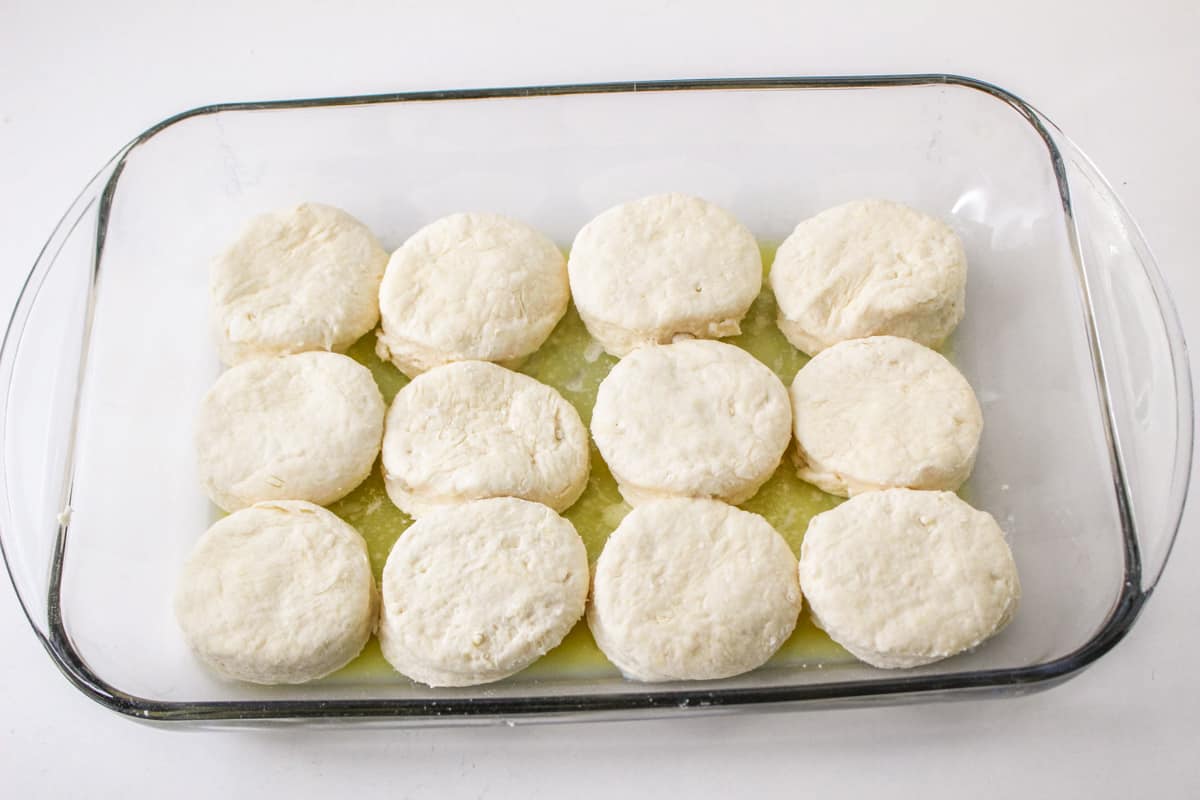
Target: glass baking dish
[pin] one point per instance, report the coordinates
(1070, 340)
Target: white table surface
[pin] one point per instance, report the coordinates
(78, 80)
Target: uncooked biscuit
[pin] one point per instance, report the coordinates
(476, 592)
(693, 590)
(869, 268)
(305, 278)
(280, 592)
(299, 427)
(470, 287)
(694, 419)
(663, 267)
(883, 412)
(902, 578)
(472, 430)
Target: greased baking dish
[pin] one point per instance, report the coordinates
(1070, 341)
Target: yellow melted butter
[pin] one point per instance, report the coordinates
(574, 364)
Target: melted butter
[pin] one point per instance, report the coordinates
(574, 364)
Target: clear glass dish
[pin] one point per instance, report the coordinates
(1070, 340)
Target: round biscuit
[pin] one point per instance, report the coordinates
(300, 279)
(695, 419)
(471, 430)
(664, 266)
(470, 287)
(869, 268)
(693, 590)
(902, 578)
(280, 592)
(883, 412)
(300, 427)
(476, 592)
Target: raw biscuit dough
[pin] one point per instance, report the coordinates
(476, 592)
(305, 278)
(696, 418)
(869, 268)
(663, 267)
(884, 412)
(470, 287)
(902, 578)
(280, 592)
(299, 427)
(693, 590)
(471, 430)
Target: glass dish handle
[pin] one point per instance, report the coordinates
(1143, 360)
(41, 359)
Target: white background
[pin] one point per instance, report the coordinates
(79, 80)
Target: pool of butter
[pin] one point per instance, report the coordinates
(574, 364)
